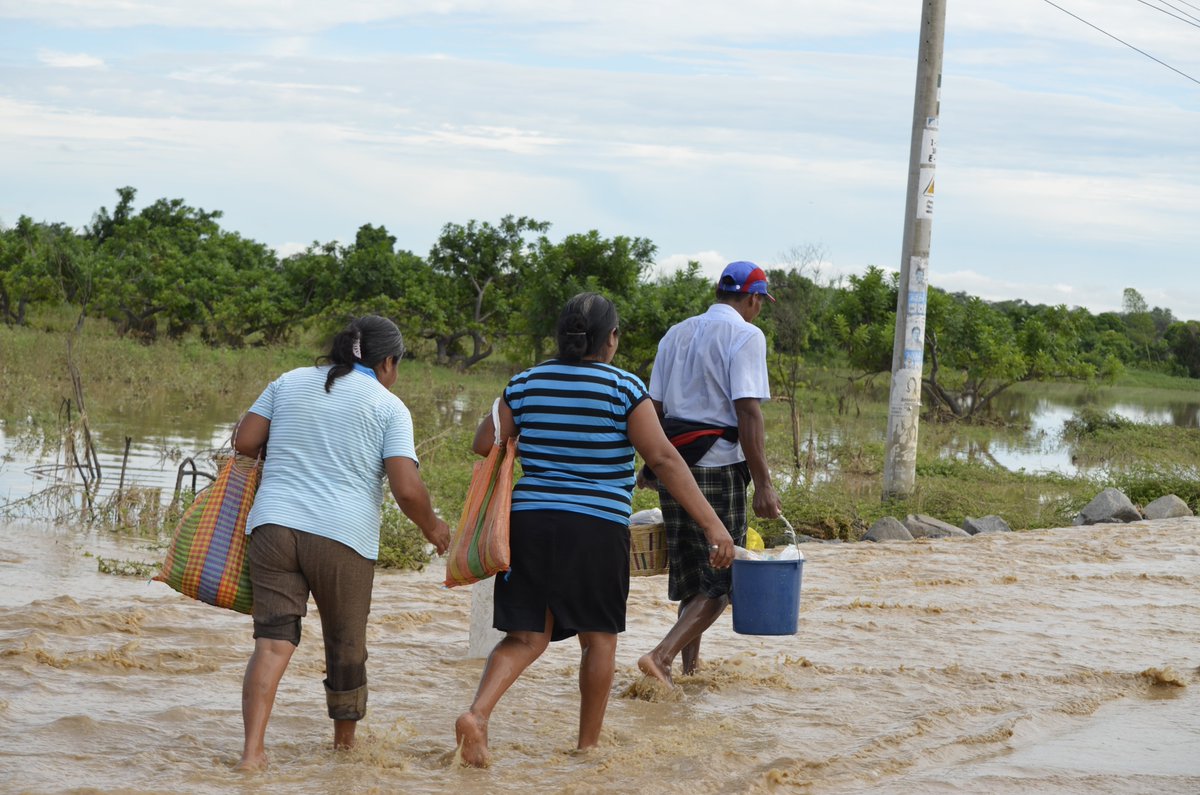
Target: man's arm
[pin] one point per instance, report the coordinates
(752, 437)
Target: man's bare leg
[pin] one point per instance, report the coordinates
(689, 655)
(696, 614)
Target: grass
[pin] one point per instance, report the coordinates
(1150, 379)
(834, 494)
(125, 379)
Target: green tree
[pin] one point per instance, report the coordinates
(864, 321)
(792, 322)
(976, 352)
(1132, 302)
(156, 265)
(311, 278)
(39, 264)
(655, 306)
(246, 299)
(480, 268)
(554, 272)
(1183, 340)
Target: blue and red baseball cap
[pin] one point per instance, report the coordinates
(743, 277)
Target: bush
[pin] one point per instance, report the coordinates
(401, 545)
(1144, 485)
(1090, 421)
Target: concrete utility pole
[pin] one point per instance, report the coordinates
(908, 350)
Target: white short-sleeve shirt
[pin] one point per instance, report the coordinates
(703, 365)
(324, 469)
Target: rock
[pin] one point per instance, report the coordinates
(887, 528)
(922, 526)
(1110, 505)
(1168, 507)
(987, 524)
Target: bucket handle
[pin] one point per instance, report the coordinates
(791, 533)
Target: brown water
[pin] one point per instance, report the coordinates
(1048, 661)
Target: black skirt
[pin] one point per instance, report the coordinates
(573, 565)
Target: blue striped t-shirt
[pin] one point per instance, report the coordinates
(574, 442)
(324, 468)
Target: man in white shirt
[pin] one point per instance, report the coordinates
(708, 381)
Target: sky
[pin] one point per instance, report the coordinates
(1067, 163)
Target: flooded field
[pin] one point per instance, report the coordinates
(1060, 660)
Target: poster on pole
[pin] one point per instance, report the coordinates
(929, 147)
(918, 273)
(916, 303)
(925, 193)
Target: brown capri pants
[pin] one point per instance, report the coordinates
(285, 566)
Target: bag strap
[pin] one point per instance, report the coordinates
(496, 421)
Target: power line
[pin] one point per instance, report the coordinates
(1190, 5)
(1180, 10)
(1168, 13)
(1122, 41)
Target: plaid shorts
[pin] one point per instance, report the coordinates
(687, 548)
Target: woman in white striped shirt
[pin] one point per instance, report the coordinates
(335, 432)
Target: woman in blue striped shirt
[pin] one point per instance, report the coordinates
(579, 421)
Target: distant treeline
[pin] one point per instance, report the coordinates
(169, 269)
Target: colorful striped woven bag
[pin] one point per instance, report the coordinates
(479, 547)
(207, 557)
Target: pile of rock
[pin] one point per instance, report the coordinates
(1110, 505)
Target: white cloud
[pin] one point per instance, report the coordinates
(284, 250)
(730, 130)
(1094, 295)
(65, 60)
(618, 23)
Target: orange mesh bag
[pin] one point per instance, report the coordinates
(479, 547)
(207, 556)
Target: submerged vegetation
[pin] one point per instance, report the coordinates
(830, 488)
(156, 319)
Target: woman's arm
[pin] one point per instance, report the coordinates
(485, 434)
(413, 499)
(250, 435)
(648, 439)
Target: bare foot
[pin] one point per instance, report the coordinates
(652, 667)
(470, 732)
(251, 764)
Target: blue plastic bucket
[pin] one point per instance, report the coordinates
(766, 596)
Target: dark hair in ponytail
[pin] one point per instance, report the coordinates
(584, 325)
(377, 339)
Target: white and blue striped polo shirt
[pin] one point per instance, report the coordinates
(324, 468)
(574, 442)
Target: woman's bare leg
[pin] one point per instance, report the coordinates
(512, 655)
(598, 655)
(263, 672)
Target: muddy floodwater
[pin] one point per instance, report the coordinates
(1060, 660)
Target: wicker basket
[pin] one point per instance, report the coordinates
(647, 550)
